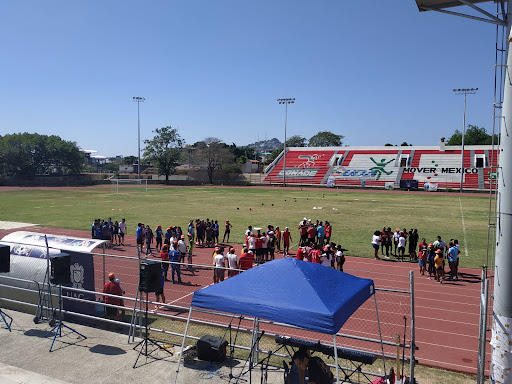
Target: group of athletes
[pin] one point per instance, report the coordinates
(431, 257)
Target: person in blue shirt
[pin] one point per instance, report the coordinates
(175, 258)
(453, 256)
(158, 238)
(139, 234)
(320, 231)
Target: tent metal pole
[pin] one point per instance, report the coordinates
(380, 332)
(336, 359)
(183, 345)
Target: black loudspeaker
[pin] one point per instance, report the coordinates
(60, 270)
(5, 258)
(211, 348)
(149, 276)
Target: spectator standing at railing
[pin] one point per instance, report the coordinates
(232, 259)
(112, 287)
(246, 260)
(220, 263)
(174, 258)
(160, 292)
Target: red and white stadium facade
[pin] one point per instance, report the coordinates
(433, 167)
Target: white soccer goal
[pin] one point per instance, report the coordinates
(128, 185)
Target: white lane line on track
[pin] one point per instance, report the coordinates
(188, 294)
(463, 228)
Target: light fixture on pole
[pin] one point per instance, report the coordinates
(138, 100)
(285, 102)
(465, 92)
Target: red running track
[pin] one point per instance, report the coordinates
(446, 314)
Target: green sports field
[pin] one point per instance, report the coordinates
(353, 215)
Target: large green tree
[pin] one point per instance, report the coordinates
(27, 154)
(474, 136)
(326, 139)
(212, 154)
(296, 141)
(164, 150)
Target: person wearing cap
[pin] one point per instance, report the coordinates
(303, 231)
(439, 263)
(396, 237)
(158, 237)
(232, 260)
(182, 248)
(112, 287)
(227, 230)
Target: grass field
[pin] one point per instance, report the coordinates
(353, 215)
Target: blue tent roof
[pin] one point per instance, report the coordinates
(290, 291)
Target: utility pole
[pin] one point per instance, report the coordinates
(465, 92)
(138, 100)
(285, 102)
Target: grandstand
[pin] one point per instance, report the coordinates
(386, 167)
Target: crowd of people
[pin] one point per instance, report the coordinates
(430, 257)
(111, 231)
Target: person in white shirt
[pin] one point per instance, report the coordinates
(182, 248)
(232, 262)
(401, 247)
(220, 264)
(122, 230)
(375, 244)
(325, 259)
(340, 258)
(396, 236)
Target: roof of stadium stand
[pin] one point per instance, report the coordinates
(426, 5)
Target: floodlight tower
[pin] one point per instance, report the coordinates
(285, 102)
(138, 100)
(465, 92)
(501, 357)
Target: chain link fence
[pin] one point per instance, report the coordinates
(394, 298)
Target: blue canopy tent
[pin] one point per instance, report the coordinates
(287, 291)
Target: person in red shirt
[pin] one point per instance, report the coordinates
(246, 260)
(112, 287)
(315, 254)
(259, 248)
(164, 255)
(287, 237)
(422, 253)
(328, 232)
(311, 234)
(300, 254)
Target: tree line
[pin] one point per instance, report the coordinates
(23, 155)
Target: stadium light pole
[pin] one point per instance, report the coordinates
(138, 100)
(465, 92)
(285, 102)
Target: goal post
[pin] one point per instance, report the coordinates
(128, 185)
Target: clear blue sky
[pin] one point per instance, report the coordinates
(374, 71)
